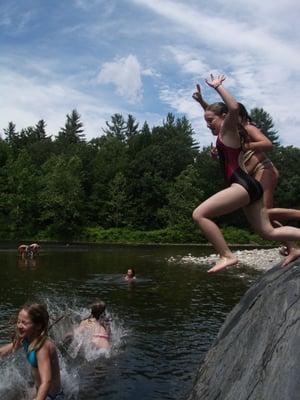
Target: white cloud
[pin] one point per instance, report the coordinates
(225, 33)
(125, 74)
(189, 60)
(181, 101)
(29, 99)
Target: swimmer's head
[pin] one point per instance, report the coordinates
(130, 273)
(97, 309)
(33, 320)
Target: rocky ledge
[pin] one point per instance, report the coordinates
(256, 355)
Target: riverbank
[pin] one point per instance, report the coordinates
(260, 259)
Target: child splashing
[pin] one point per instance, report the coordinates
(93, 335)
(41, 353)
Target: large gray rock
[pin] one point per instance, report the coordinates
(256, 355)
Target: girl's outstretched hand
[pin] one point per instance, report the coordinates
(197, 95)
(215, 82)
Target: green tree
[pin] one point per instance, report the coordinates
(264, 122)
(12, 138)
(40, 131)
(287, 192)
(131, 126)
(117, 127)
(116, 205)
(72, 132)
(61, 197)
(19, 195)
(183, 197)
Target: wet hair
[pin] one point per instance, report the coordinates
(98, 312)
(133, 271)
(218, 108)
(38, 315)
(243, 114)
(98, 309)
(221, 108)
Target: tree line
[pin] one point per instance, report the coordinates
(130, 177)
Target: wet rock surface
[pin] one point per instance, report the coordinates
(256, 355)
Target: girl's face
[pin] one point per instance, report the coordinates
(129, 273)
(25, 327)
(213, 121)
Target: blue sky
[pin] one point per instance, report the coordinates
(144, 57)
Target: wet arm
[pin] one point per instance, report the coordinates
(231, 121)
(6, 349)
(258, 141)
(45, 372)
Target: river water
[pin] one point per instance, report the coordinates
(162, 324)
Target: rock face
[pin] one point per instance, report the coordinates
(256, 355)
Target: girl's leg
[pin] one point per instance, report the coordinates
(268, 177)
(282, 214)
(258, 217)
(223, 202)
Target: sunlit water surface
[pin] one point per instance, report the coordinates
(162, 324)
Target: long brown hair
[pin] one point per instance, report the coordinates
(218, 108)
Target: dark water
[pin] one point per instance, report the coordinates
(163, 323)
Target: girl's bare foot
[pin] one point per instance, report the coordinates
(294, 253)
(224, 262)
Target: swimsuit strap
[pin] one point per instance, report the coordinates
(30, 355)
(101, 336)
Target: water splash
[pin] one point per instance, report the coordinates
(15, 379)
(16, 382)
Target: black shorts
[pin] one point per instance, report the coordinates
(252, 186)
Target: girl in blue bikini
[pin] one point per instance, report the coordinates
(41, 353)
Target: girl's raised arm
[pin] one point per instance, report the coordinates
(197, 95)
(230, 125)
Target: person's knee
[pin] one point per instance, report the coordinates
(195, 215)
(198, 215)
(265, 232)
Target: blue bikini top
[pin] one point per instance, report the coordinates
(30, 355)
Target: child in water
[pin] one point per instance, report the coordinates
(41, 353)
(96, 326)
(130, 276)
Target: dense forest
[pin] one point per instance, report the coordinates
(130, 181)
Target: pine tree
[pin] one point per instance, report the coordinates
(40, 130)
(264, 122)
(117, 127)
(132, 126)
(72, 132)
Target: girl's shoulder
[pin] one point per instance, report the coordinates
(48, 345)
